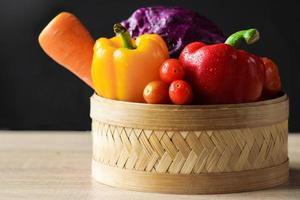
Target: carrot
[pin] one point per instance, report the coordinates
(67, 41)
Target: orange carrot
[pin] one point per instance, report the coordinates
(67, 41)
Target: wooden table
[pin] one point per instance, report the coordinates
(56, 165)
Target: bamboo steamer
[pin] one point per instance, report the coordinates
(193, 149)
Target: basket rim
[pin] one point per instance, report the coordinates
(189, 117)
(282, 97)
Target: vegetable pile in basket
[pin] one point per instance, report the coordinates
(135, 65)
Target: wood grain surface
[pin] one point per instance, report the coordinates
(56, 165)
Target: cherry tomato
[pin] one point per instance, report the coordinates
(272, 84)
(180, 92)
(171, 70)
(157, 92)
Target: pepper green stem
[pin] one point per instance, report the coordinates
(125, 36)
(250, 36)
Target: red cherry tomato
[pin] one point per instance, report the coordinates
(171, 70)
(272, 84)
(157, 92)
(180, 92)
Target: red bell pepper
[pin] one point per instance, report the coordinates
(221, 73)
(272, 85)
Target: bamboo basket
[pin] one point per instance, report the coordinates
(193, 149)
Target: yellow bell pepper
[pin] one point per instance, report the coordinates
(122, 66)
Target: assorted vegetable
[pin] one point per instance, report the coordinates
(171, 70)
(178, 26)
(139, 69)
(157, 92)
(68, 42)
(272, 84)
(171, 86)
(222, 74)
(180, 92)
(122, 66)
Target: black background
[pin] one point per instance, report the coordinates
(36, 93)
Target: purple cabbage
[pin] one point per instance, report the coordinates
(178, 26)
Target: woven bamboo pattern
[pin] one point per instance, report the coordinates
(189, 152)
